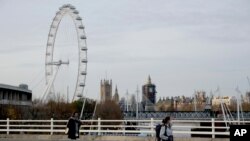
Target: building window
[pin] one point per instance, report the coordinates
(1, 95)
(12, 95)
(8, 96)
(24, 97)
(20, 96)
(5, 95)
(29, 97)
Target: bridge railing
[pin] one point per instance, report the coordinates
(183, 128)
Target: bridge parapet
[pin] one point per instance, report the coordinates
(211, 128)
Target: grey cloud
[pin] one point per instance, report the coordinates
(185, 45)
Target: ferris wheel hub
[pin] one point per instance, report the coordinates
(58, 63)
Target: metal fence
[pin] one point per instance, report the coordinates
(209, 127)
(180, 114)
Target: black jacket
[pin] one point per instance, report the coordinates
(72, 128)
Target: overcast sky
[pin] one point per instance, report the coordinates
(185, 45)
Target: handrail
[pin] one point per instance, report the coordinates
(113, 127)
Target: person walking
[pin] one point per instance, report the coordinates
(73, 126)
(166, 133)
(158, 130)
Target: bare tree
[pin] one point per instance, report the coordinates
(108, 110)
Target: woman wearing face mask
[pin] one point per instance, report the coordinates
(166, 133)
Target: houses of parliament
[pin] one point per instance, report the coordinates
(106, 91)
(148, 99)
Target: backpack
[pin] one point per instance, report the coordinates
(157, 131)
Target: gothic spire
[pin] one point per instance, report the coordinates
(149, 79)
(116, 91)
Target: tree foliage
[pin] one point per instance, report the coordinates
(109, 110)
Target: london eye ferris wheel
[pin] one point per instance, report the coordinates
(52, 65)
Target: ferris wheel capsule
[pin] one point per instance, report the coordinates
(79, 95)
(84, 49)
(81, 27)
(83, 73)
(84, 60)
(78, 18)
(82, 85)
(75, 12)
(83, 37)
(66, 5)
(72, 7)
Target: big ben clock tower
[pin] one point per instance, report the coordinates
(148, 95)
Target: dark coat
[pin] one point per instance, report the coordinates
(72, 129)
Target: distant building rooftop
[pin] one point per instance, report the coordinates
(21, 87)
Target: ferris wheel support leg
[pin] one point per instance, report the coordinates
(50, 84)
(83, 105)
